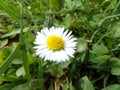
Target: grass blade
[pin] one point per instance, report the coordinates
(22, 45)
(8, 61)
(9, 11)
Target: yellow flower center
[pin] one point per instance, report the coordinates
(55, 43)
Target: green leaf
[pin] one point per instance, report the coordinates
(8, 78)
(97, 18)
(86, 84)
(115, 61)
(17, 58)
(69, 4)
(4, 53)
(116, 30)
(64, 65)
(71, 86)
(6, 87)
(54, 4)
(14, 32)
(100, 59)
(22, 87)
(3, 43)
(112, 87)
(36, 84)
(64, 86)
(56, 70)
(68, 86)
(20, 72)
(99, 49)
(85, 6)
(93, 24)
(81, 45)
(115, 70)
(30, 58)
(67, 20)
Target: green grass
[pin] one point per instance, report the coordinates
(96, 25)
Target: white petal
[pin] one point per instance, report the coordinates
(70, 51)
(68, 35)
(64, 34)
(40, 39)
(70, 45)
(46, 32)
(59, 32)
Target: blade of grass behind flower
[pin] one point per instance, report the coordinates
(107, 17)
(26, 65)
(8, 10)
(22, 45)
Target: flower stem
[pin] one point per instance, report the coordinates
(57, 86)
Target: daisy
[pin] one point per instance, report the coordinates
(55, 44)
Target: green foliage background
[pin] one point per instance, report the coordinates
(96, 24)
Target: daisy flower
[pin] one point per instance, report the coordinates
(55, 44)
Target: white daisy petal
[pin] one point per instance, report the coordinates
(45, 31)
(70, 51)
(64, 34)
(55, 44)
(60, 31)
(68, 35)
